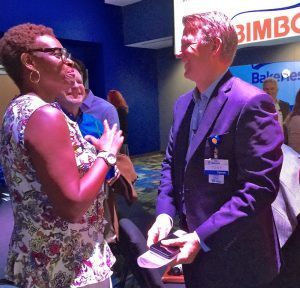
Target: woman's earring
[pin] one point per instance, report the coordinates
(31, 77)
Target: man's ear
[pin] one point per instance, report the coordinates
(27, 61)
(216, 45)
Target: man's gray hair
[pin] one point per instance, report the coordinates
(211, 25)
(270, 80)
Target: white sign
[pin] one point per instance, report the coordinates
(255, 20)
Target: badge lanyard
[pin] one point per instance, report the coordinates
(215, 141)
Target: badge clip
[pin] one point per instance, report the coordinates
(215, 141)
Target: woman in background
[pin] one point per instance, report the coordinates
(54, 176)
(116, 98)
(292, 126)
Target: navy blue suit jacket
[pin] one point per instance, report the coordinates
(235, 218)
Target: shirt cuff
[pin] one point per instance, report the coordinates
(165, 216)
(204, 247)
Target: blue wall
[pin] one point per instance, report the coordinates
(93, 31)
(148, 20)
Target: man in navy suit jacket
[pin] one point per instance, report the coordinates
(270, 86)
(222, 165)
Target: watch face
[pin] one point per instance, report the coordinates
(111, 159)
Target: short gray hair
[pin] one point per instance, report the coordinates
(211, 25)
(270, 80)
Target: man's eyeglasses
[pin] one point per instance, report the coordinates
(185, 46)
(60, 53)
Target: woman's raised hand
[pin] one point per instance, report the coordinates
(110, 141)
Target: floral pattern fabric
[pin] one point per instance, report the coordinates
(45, 250)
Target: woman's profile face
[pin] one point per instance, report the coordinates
(56, 72)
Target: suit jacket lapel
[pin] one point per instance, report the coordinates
(185, 106)
(181, 138)
(214, 107)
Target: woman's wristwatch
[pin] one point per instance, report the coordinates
(108, 157)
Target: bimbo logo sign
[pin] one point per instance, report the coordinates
(255, 21)
(267, 24)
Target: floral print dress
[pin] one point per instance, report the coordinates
(45, 250)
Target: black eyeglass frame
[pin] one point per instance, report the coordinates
(185, 46)
(65, 55)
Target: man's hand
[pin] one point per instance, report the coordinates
(160, 229)
(189, 247)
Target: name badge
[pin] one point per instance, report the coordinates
(216, 179)
(216, 167)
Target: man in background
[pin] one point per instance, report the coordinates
(96, 106)
(221, 169)
(270, 86)
(70, 104)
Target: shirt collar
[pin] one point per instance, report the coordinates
(88, 99)
(208, 92)
(196, 95)
(77, 119)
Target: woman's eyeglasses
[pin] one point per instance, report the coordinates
(60, 53)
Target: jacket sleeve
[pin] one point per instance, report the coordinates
(165, 199)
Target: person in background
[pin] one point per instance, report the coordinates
(286, 211)
(286, 207)
(116, 98)
(70, 104)
(96, 106)
(270, 86)
(54, 176)
(292, 126)
(221, 169)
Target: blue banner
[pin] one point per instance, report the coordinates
(286, 73)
